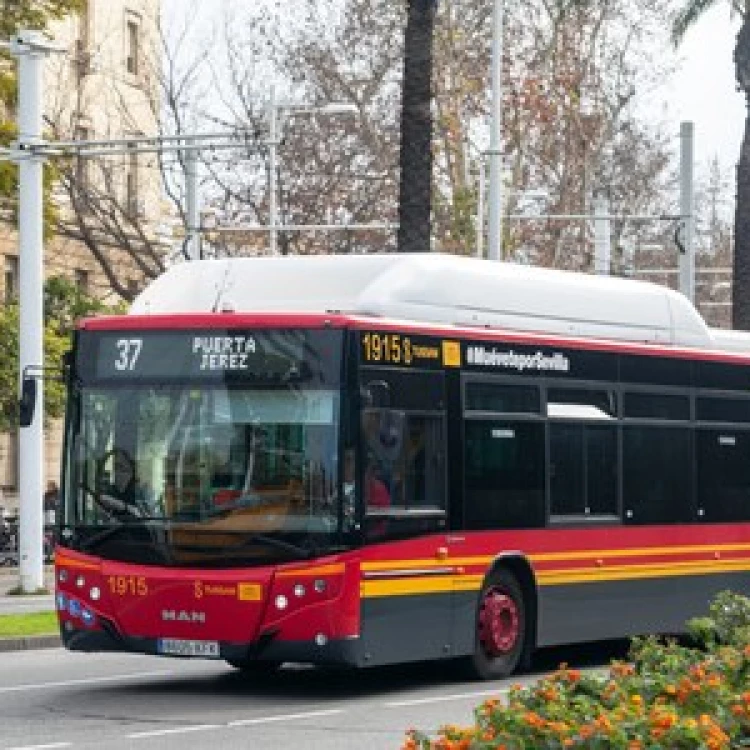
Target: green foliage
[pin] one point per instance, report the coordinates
(666, 697)
(24, 14)
(35, 14)
(728, 622)
(64, 305)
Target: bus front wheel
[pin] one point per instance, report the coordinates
(255, 667)
(500, 627)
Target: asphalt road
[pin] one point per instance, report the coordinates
(52, 699)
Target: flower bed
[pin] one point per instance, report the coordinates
(666, 697)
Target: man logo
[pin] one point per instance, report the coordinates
(198, 589)
(182, 615)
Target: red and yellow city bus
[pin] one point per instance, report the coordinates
(364, 460)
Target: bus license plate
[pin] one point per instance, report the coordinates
(178, 647)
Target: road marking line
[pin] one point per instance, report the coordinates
(84, 681)
(174, 730)
(445, 698)
(42, 747)
(285, 717)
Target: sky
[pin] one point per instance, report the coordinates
(704, 90)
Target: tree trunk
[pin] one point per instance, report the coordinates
(415, 195)
(741, 262)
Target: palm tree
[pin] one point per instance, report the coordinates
(415, 193)
(685, 19)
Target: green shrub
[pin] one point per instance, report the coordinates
(667, 696)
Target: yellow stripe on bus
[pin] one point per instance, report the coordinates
(595, 554)
(77, 564)
(319, 570)
(635, 572)
(446, 584)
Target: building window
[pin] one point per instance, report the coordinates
(132, 42)
(10, 290)
(81, 280)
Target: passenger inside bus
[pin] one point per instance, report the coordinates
(376, 492)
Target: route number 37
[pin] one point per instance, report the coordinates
(128, 351)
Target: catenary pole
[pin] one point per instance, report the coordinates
(480, 208)
(602, 235)
(31, 48)
(273, 137)
(495, 229)
(687, 229)
(192, 206)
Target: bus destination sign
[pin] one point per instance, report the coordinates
(277, 354)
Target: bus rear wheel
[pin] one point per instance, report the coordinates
(500, 627)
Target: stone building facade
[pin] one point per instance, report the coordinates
(104, 86)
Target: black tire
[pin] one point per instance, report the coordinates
(255, 667)
(500, 627)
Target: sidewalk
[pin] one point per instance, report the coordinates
(9, 579)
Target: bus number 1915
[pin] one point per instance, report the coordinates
(387, 347)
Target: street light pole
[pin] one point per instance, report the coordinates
(495, 229)
(31, 48)
(274, 127)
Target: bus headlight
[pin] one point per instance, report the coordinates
(281, 602)
(299, 590)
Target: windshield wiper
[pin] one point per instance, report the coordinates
(86, 545)
(250, 543)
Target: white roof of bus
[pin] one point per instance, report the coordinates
(437, 288)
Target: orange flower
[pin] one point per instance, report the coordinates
(622, 670)
(664, 720)
(533, 719)
(635, 745)
(713, 681)
(558, 726)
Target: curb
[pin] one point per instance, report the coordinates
(27, 643)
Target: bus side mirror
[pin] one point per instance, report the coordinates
(27, 403)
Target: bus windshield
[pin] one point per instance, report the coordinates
(218, 475)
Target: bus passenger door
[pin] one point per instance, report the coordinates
(407, 594)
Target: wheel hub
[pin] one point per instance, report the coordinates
(498, 623)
